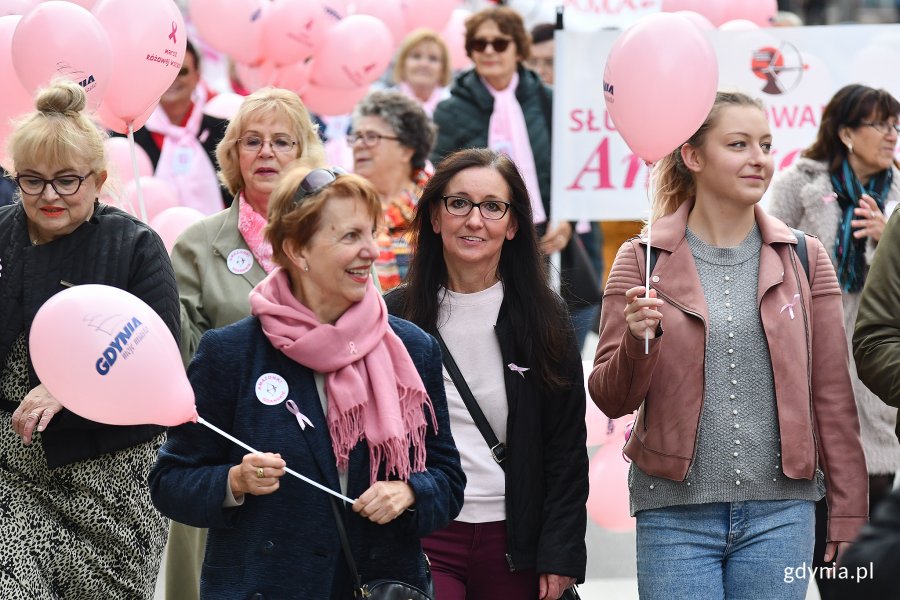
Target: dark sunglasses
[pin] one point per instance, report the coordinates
(498, 44)
(315, 181)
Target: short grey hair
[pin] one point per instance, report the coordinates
(405, 116)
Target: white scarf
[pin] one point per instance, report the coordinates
(183, 162)
(508, 133)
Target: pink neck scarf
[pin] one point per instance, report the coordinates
(374, 390)
(251, 225)
(183, 163)
(508, 133)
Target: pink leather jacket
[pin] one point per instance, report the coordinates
(816, 410)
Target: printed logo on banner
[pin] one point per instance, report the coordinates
(781, 68)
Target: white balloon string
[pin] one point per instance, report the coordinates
(137, 173)
(327, 490)
(647, 270)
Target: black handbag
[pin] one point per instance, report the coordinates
(379, 589)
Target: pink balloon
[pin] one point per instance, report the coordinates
(655, 103)
(107, 356)
(86, 4)
(149, 48)
(697, 19)
(433, 14)
(326, 101)
(294, 77)
(389, 12)
(158, 197)
(607, 504)
(738, 25)
(118, 157)
(355, 53)
(17, 7)
(223, 106)
(116, 123)
(714, 10)
(256, 76)
(60, 38)
(761, 12)
(16, 99)
(294, 29)
(234, 27)
(172, 222)
(454, 35)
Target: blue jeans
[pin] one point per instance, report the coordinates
(737, 550)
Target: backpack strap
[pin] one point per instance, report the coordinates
(801, 250)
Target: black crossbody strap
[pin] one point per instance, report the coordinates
(345, 544)
(498, 449)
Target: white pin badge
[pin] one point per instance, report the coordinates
(271, 389)
(240, 261)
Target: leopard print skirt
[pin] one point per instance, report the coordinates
(83, 531)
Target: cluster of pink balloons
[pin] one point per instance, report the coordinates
(719, 12)
(124, 54)
(316, 48)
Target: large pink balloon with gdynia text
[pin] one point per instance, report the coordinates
(660, 83)
(61, 39)
(148, 41)
(109, 357)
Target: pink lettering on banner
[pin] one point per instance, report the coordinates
(793, 116)
(596, 174)
(585, 119)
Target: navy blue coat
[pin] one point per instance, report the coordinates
(285, 545)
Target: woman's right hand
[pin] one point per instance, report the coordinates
(258, 474)
(642, 314)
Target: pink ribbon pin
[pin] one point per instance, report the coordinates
(353, 349)
(172, 35)
(302, 420)
(517, 369)
(790, 306)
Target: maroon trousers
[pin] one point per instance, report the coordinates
(468, 562)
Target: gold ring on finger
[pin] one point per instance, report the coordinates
(259, 472)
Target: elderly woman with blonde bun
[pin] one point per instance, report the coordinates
(76, 520)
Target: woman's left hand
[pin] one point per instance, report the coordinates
(552, 586)
(834, 550)
(872, 222)
(556, 238)
(385, 501)
(36, 409)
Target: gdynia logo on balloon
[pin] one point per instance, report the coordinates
(609, 91)
(83, 79)
(122, 345)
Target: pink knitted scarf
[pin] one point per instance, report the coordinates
(374, 390)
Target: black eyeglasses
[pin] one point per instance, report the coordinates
(492, 210)
(369, 139)
(64, 185)
(498, 44)
(882, 127)
(315, 181)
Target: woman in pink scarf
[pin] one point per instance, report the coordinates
(320, 379)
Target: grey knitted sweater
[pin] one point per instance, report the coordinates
(738, 453)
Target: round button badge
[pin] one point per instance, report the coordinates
(271, 389)
(240, 261)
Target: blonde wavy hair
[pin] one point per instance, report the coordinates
(673, 183)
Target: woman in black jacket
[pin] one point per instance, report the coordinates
(477, 280)
(77, 521)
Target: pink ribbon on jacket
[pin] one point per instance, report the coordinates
(301, 418)
(790, 306)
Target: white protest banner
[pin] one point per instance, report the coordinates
(794, 71)
(585, 15)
